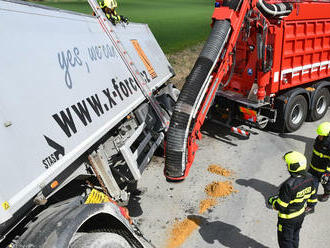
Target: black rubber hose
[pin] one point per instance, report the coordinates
(177, 135)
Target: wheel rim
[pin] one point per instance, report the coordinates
(321, 105)
(296, 114)
(262, 123)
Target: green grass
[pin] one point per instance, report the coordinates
(176, 24)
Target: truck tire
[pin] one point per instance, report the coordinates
(100, 240)
(320, 104)
(295, 113)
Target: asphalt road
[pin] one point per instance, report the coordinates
(242, 219)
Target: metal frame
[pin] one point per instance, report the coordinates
(131, 157)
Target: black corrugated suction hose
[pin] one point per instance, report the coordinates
(177, 135)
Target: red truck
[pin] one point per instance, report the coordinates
(265, 62)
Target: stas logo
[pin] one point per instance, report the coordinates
(54, 157)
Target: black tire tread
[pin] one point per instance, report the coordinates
(314, 116)
(89, 240)
(289, 126)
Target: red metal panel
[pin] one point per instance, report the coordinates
(306, 52)
(307, 11)
(277, 54)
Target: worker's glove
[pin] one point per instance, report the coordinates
(272, 199)
(124, 19)
(325, 178)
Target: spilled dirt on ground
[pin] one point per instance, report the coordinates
(207, 204)
(182, 63)
(216, 169)
(220, 189)
(181, 231)
(215, 190)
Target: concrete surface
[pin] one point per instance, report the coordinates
(243, 219)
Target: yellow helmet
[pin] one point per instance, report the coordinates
(323, 129)
(110, 3)
(296, 161)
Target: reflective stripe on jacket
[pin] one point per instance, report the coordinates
(101, 3)
(293, 195)
(321, 155)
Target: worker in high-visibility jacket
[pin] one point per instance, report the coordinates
(320, 163)
(109, 9)
(291, 200)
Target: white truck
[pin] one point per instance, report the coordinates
(76, 126)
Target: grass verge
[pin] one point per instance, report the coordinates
(176, 24)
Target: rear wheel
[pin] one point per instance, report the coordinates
(100, 240)
(320, 104)
(295, 113)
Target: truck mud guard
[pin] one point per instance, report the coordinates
(59, 223)
(190, 100)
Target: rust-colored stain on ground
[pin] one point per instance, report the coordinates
(216, 169)
(181, 231)
(207, 204)
(220, 189)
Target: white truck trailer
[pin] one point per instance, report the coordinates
(75, 127)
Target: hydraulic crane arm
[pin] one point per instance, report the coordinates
(213, 65)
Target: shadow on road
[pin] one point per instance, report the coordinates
(265, 188)
(133, 205)
(227, 235)
(308, 143)
(219, 132)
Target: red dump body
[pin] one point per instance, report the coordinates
(300, 46)
(306, 46)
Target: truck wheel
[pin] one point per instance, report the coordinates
(295, 113)
(100, 240)
(320, 104)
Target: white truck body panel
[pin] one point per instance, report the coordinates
(55, 66)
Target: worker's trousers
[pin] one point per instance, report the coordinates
(288, 232)
(317, 177)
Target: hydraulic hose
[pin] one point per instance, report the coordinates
(189, 101)
(274, 10)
